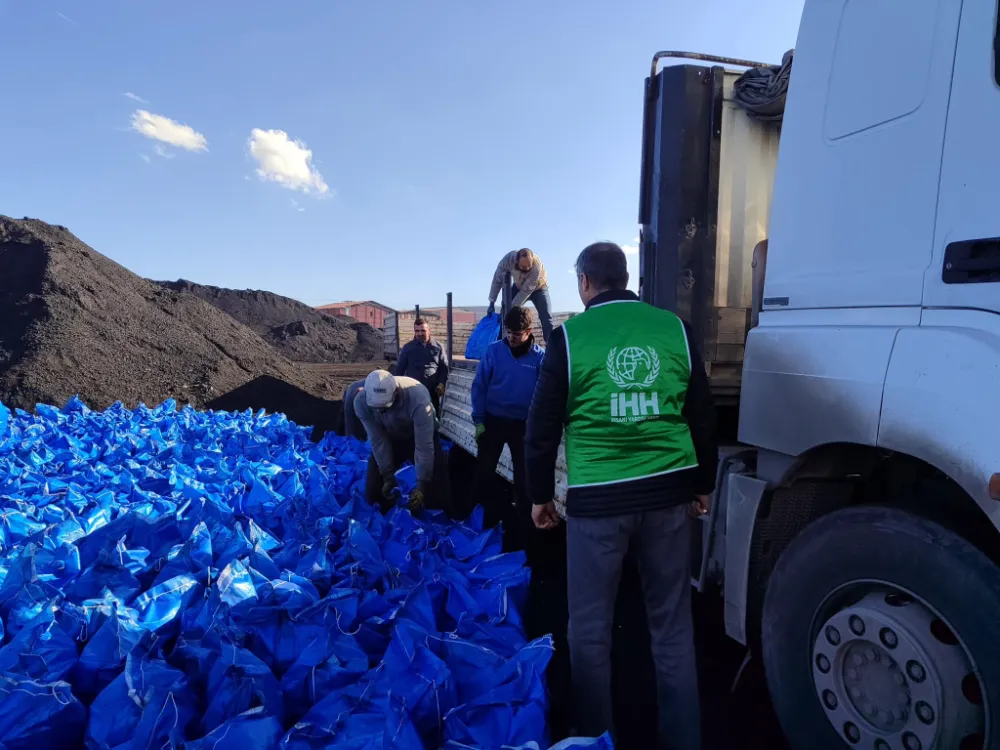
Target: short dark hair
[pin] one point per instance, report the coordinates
(524, 252)
(418, 322)
(518, 319)
(604, 264)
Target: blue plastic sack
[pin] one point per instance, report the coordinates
(600, 743)
(45, 649)
(105, 653)
(512, 711)
(240, 682)
(212, 580)
(485, 333)
(248, 731)
(35, 715)
(324, 666)
(115, 713)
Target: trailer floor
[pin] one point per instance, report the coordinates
(730, 718)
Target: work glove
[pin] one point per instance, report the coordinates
(480, 429)
(389, 486)
(491, 310)
(417, 497)
(440, 390)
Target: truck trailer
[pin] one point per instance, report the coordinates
(854, 530)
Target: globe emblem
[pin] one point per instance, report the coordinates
(633, 364)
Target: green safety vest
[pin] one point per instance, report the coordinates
(629, 367)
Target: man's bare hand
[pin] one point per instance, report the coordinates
(545, 516)
(702, 504)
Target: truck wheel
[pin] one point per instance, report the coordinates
(881, 630)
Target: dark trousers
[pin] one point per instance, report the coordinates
(438, 495)
(500, 432)
(595, 550)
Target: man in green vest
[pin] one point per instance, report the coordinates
(626, 383)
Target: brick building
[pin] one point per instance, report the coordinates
(370, 312)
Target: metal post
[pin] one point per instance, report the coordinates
(418, 312)
(450, 331)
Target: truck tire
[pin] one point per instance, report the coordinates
(881, 630)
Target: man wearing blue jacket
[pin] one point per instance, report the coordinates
(501, 395)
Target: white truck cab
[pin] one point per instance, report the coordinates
(860, 544)
(854, 533)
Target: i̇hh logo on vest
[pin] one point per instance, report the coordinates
(633, 369)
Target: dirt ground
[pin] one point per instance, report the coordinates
(341, 376)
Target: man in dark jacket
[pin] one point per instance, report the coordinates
(501, 395)
(626, 381)
(423, 360)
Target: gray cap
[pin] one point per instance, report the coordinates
(380, 389)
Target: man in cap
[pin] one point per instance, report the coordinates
(628, 384)
(397, 414)
(530, 285)
(423, 359)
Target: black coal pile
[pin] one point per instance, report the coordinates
(298, 331)
(75, 322)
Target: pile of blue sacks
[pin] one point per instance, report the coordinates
(174, 578)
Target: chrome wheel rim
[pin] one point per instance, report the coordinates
(892, 674)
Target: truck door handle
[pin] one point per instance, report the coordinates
(972, 262)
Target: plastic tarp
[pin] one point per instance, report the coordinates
(174, 578)
(485, 333)
(761, 92)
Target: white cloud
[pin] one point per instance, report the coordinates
(632, 248)
(134, 97)
(287, 162)
(296, 206)
(160, 150)
(66, 18)
(168, 131)
(144, 157)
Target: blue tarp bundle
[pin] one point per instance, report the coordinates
(176, 578)
(487, 331)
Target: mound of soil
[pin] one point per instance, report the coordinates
(75, 322)
(298, 331)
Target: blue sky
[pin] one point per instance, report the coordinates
(442, 133)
